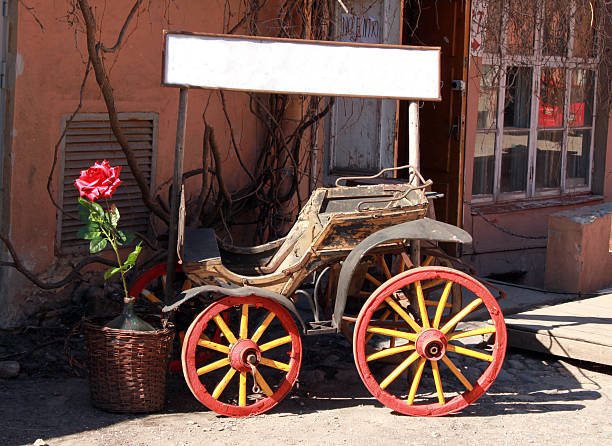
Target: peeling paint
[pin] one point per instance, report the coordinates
(19, 65)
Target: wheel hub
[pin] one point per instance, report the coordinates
(244, 353)
(431, 344)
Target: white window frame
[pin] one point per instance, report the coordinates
(536, 62)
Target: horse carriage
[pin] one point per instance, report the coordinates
(365, 259)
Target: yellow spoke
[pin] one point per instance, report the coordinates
(373, 279)
(416, 327)
(181, 337)
(213, 366)
(476, 332)
(421, 300)
(392, 340)
(416, 381)
(468, 309)
(436, 375)
(242, 391)
(434, 303)
(223, 383)
(441, 304)
(384, 317)
(457, 373)
(213, 346)
(389, 352)
(263, 384)
(402, 265)
(244, 322)
(186, 285)
(385, 267)
(468, 352)
(393, 333)
(225, 329)
(432, 283)
(260, 330)
(399, 369)
(275, 364)
(150, 296)
(275, 343)
(427, 261)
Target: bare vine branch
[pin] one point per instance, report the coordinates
(61, 138)
(107, 93)
(19, 266)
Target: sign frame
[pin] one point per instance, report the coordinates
(328, 44)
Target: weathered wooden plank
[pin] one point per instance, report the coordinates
(577, 329)
(569, 348)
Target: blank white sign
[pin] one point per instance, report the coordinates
(302, 67)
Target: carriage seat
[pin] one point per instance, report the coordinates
(324, 204)
(201, 246)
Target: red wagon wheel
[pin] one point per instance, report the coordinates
(434, 390)
(380, 268)
(261, 345)
(145, 284)
(151, 286)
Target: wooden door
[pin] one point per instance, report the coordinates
(361, 132)
(442, 124)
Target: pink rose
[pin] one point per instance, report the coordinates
(100, 180)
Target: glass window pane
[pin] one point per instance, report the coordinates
(515, 154)
(548, 159)
(517, 104)
(520, 26)
(585, 30)
(556, 27)
(484, 164)
(578, 157)
(487, 99)
(581, 98)
(552, 97)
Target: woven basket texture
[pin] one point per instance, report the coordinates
(127, 369)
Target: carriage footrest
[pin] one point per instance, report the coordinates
(321, 327)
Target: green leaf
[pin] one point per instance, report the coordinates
(97, 244)
(110, 272)
(98, 209)
(94, 208)
(89, 232)
(125, 237)
(95, 211)
(131, 260)
(114, 216)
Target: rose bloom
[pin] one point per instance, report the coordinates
(99, 181)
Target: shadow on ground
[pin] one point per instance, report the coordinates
(48, 408)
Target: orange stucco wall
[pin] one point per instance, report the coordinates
(49, 70)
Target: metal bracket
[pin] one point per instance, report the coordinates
(3, 74)
(457, 85)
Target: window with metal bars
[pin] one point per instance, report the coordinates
(89, 138)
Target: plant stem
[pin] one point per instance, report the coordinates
(113, 241)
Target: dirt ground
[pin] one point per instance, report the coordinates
(537, 399)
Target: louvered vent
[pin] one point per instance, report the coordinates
(89, 138)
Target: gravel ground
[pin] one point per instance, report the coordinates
(537, 399)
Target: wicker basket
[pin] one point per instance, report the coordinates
(127, 369)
